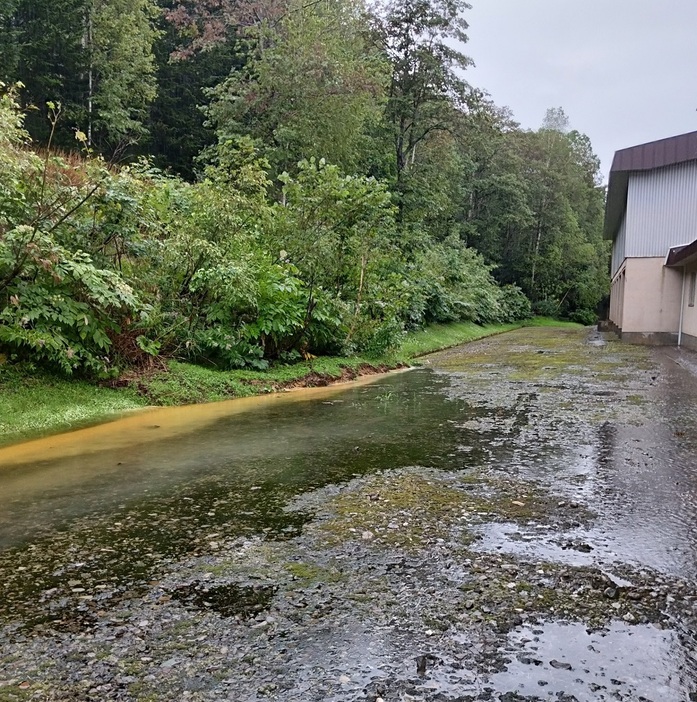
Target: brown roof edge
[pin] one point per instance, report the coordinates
(682, 255)
(657, 154)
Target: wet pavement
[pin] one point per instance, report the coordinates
(515, 521)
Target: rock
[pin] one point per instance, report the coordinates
(559, 665)
(367, 535)
(629, 617)
(610, 593)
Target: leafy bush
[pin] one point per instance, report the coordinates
(514, 304)
(101, 267)
(56, 305)
(586, 317)
(450, 282)
(61, 307)
(546, 308)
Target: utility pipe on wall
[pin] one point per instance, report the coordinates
(682, 308)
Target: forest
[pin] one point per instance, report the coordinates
(239, 183)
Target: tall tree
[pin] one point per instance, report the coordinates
(421, 40)
(119, 38)
(49, 59)
(311, 88)
(94, 57)
(203, 24)
(177, 125)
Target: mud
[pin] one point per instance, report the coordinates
(516, 521)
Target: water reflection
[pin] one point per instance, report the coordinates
(110, 508)
(622, 662)
(285, 445)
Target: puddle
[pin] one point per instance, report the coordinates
(565, 661)
(157, 424)
(489, 506)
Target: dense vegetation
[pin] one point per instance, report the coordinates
(238, 182)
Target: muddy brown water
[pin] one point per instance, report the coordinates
(515, 520)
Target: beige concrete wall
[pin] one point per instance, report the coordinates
(689, 322)
(652, 296)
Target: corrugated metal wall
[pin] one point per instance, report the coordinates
(618, 247)
(661, 210)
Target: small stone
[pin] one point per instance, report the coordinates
(344, 679)
(367, 535)
(610, 593)
(629, 617)
(560, 665)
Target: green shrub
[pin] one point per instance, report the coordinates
(585, 317)
(546, 308)
(514, 304)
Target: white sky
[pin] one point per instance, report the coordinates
(623, 70)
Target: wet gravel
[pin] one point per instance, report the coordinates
(545, 553)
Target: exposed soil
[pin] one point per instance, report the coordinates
(320, 380)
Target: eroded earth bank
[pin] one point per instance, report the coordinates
(515, 521)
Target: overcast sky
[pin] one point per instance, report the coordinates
(625, 71)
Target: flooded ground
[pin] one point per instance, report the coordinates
(516, 521)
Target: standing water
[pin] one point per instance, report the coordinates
(516, 520)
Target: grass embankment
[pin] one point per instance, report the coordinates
(40, 404)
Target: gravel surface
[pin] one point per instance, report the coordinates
(541, 548)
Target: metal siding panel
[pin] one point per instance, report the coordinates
(618, 247)
(661, 210)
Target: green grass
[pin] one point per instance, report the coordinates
(442, 336)
(551, 322)
(33, 405)
(36, 404)
(185, 383)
